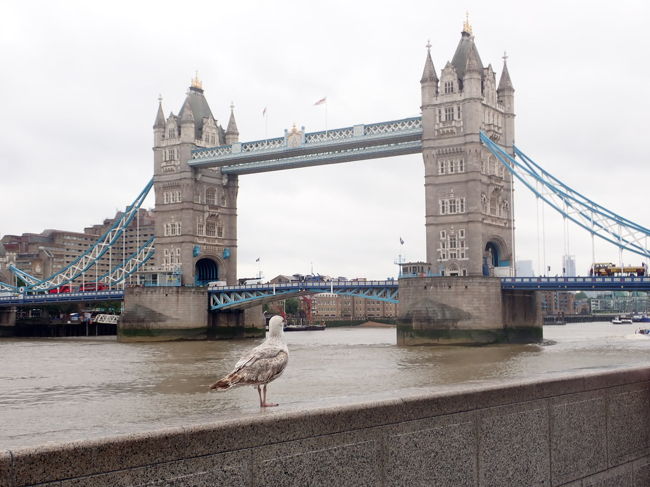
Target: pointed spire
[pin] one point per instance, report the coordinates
(232, 125)
(429, 73)
(465, 50)
(473, 60)
(160, 116)
(504, 81)
(186, 114)
(196, 84)
(467, 28)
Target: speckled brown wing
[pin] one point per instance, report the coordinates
(263, 367)
(260, 366)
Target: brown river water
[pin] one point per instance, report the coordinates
(62, 389)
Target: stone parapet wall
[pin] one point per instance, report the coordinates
(578, 430)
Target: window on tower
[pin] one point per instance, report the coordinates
(449, 86)
(449, 113)
(211, 228)
(451, 206)
(211, 196)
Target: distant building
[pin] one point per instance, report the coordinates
(569, 265)
(43, 254)
(335, 307)
(557, 302)
(619, 302)
(331, 306)
(525, 268)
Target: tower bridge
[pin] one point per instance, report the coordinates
(465, 134)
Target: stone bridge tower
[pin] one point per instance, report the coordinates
(196, 221)
(469, 213)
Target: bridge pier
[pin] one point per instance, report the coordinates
(240, 323)
(181, 313)
(164, 314)
(465, 311)
(7, 321)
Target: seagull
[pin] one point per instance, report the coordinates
(263, 364)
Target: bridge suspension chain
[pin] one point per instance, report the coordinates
(130, 264)
(596, 219)
(89, 258)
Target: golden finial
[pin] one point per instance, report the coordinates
(466, 27)
(196, 83)
(505, 57)
(232, 106)
(428, 46)
(159, 98)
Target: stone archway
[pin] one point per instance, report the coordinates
(205, 270)
(491, 256)
(493, 253)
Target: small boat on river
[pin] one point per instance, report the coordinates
(621, 321)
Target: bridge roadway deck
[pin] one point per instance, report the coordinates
(589, 283)
(229, 297)
(31, 299)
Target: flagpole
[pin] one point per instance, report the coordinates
(266, 123)
(326, 118)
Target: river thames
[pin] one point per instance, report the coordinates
(65, 389)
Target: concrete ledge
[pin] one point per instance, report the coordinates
(590, 428)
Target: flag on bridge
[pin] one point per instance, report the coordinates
(401, 241)
(321, 101)
(257, 260)
(264, 112)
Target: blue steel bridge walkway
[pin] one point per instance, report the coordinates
(79, 297)
(239, 297)
(614, 283)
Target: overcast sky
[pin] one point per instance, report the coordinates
(80, 83)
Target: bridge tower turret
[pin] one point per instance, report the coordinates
(195, 209)
(468, 197)
(232, 134)
(506, 97)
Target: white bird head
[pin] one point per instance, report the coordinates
(276, 326)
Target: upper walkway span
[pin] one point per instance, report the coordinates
(300, 149)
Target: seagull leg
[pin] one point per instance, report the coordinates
(259, 393)
(265, 404)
